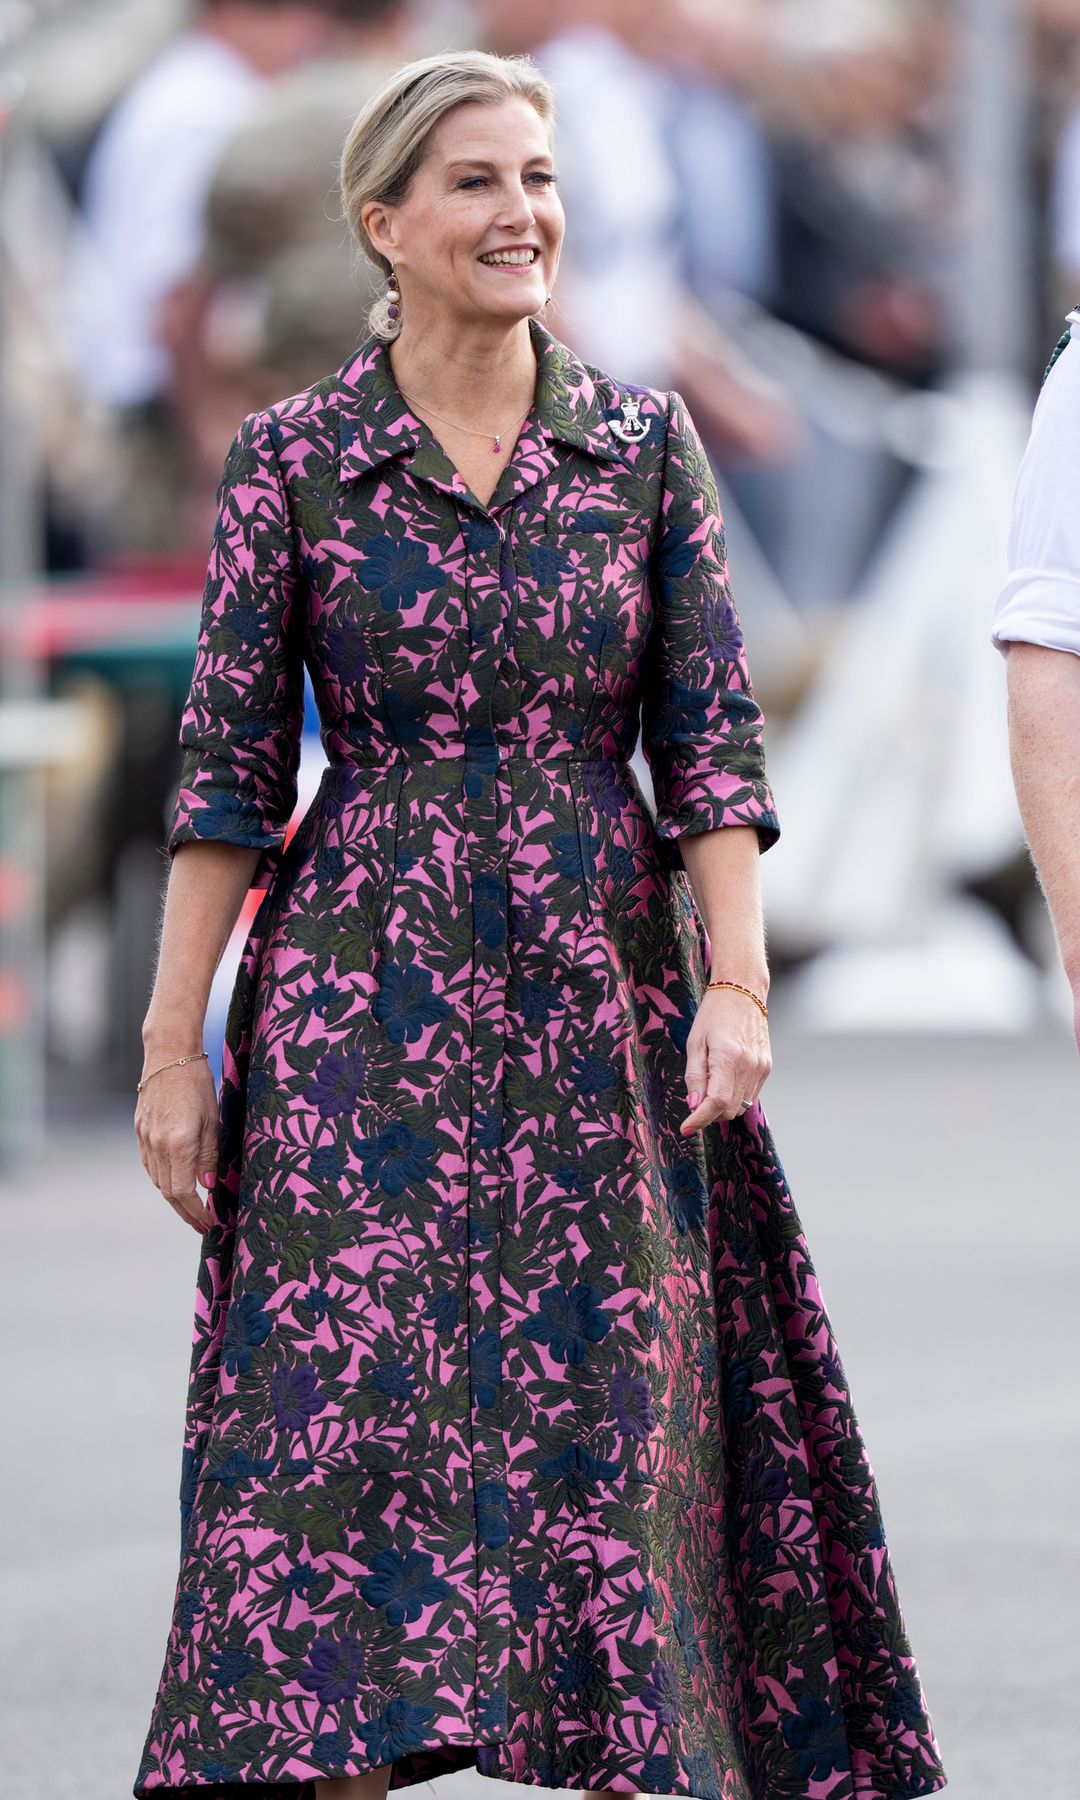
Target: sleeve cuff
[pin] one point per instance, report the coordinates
(227, 818)
(708, 803)
(1038, 607)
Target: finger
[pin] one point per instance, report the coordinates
(697, 1069)
(208, 1160)
(208, 1151)
(755, 1079)
(207, 1179)
(709, 1113)
(748, 1085)
(722, 1089)
(152, 1160)
(189, 1205)
(181, 1186)
(144, 1149)
(727, 1077)
(701, 1061)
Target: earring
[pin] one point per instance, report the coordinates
(393, 295)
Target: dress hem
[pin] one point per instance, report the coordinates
(302, 1787)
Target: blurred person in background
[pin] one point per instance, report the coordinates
(142, 205)
(623, 294)
(865, 210)
(719, 60)
(1058, 73)
(279, 291)
(1036, 626)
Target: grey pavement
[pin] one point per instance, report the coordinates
(937, 1185)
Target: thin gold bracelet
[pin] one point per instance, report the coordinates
(742, 990)
(175, 1064)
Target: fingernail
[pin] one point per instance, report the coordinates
(693, 1100)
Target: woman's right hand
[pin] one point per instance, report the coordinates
(176, 1124)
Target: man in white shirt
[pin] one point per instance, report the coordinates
(1036, 626)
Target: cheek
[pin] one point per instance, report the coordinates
(446, 239)
(458, 231)
(553, 223)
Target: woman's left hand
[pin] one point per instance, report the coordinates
(728, 1058)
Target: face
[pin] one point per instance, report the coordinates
(486, 184)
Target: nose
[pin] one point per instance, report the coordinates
(519, 211)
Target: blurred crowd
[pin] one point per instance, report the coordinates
(719, 160)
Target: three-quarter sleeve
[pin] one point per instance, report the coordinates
(701, 726)
(240, 731)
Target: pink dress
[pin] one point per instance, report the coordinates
(517, 1435)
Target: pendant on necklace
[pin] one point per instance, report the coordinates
(497, 445)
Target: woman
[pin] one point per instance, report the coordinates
(517, 1436)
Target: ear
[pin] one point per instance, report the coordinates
(378, 223)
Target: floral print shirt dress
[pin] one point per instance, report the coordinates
(516, 1435)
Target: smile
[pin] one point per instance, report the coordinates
(509, 259)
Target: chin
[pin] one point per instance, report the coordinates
(519, 306)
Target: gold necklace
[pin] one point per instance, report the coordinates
(471, 429)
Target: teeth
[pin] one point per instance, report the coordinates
(509, 256)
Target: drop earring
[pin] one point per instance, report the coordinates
(393, 296)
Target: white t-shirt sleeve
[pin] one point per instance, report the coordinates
(1039, 603)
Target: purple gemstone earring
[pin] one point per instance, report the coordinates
(393, 295)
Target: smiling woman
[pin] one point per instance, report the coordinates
(517, 1437)
(475, 236)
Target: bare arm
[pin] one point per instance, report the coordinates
(1044, 742)
(723, 867)
(701, 733)
(176, 1116)
(240, 735)
(728, 1053)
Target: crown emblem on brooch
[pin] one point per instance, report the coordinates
(631, 427)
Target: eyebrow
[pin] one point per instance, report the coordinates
(478, 162)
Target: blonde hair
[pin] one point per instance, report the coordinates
(387, 140)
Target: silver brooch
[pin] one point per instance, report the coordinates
(631, 428)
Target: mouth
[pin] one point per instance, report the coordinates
(525, 256)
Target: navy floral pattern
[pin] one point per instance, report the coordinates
(517, 1436)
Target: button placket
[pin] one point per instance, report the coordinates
(487, 814)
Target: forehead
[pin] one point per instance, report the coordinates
(496, 131)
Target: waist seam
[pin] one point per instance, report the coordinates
(543, 762)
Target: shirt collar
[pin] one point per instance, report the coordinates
(376, 422)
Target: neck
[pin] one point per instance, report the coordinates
(474, 374)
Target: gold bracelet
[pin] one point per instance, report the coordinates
(743, 990)
(175, 1064)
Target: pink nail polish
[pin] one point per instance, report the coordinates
(693, 1100)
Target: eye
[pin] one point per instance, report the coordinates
(543, 175)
